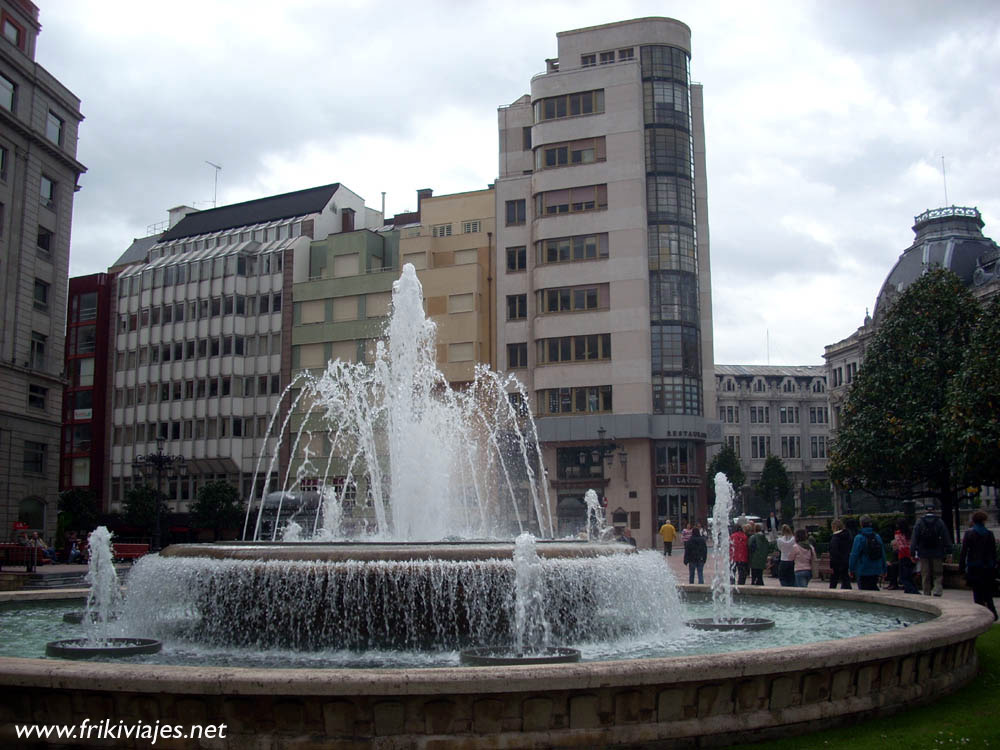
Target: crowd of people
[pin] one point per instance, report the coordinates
(863, 559)
(73, 551)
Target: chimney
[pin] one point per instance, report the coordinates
(347, 220)
(177, 213)
(421, 194)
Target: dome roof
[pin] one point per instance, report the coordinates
(949, 238)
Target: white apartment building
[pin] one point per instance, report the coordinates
(202, 341)
(603, 275)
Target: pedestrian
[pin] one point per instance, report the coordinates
(840, 555)
(772, 528)
(867, 556)
(786, 568)
(668, 533)
(978, 560)
(930, 545)
(739, 554)
(695, 555)
(900, 546)
(686, 534)
(803, 558)
(760, 550)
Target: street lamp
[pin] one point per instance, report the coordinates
(157, 465)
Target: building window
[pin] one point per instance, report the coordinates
(517, 355)
(517, 258)
(677, 394)
(526, 138)
(818, 446)
(37, 354)
(838, 377)
(729, 414)
(572, 249)
(472, 227)
(586, 348)
(851, 370)
(44, 240)
(760, 446)
(571, 200)
(729, 385)
(516, 212)
(759, 386)
(819, 415)
(818, 386)
(788, 414)
(575, 400)
(789, 386)
(574, 299)
(54, 128)
(4, 158)
(585, 151)
(41, 295)
(626, 54)
(570, 105)
(34, 457)
(588, 61)
(441, 230)
(733, 441)
(760, 414)
(517, 306)
(790, 446)
(36, 396)
(47, 192)
(606, 58)
(8, 93)
(13, 32)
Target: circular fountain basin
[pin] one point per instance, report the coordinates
(82, 648)
(490, 657)
(730, 623)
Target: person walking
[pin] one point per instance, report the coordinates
(695, 555)
(739, 553)
(803, 558)
(668, 533)
(772, 527)
(840, 555)
(760, 550)
(930, 545)
(867, 556)
(786, 568)
(900, 545)
(978, 560)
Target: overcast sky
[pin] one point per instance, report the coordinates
(826, 123)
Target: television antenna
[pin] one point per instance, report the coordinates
(215, 194)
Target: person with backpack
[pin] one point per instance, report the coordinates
(840, 555)
(867, 560)
(978, 561)
(930, 545)
(900, 545)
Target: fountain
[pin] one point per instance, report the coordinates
(722, 570)
(347, 637)
(104, 603)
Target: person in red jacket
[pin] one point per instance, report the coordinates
(739, 553)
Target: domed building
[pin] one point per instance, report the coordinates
(949, 237)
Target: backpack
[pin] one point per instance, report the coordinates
(875, 551)
(929, 535)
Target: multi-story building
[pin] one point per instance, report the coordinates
(950, 237)
(781, 411)
(39, 174)
(603, 283)
(202, 341)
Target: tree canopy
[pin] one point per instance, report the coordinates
(139, 507)
(774, 484)
(217, 506)
(893, 439)
(81, 509)
(726, 462)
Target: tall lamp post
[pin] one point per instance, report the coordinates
(157, 466)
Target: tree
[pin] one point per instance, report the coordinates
(774, 485)
(973, 405)
(217, 506)
(893, 441)
(726, 462)
(139, 507)
(79, 507)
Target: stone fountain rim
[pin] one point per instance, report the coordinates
(955, 622)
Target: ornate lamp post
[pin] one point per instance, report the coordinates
(156, 466)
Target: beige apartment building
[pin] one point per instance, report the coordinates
(39, 175)
(603, 302)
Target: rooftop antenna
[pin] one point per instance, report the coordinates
(767, 344)
(944, 177)
(215, 195)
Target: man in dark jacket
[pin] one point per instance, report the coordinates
(695, 555)
(930, 545)
(978, 561)
(840, 555)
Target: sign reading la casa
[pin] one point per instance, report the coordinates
(678, 480)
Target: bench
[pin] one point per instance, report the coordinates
(18, 554)
(129, 550)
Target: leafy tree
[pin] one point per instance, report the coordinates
(973, 406)
(726, 462)
(139, 507)
(893, 440)
(217, 506)
(79, 506)
(774, 484)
